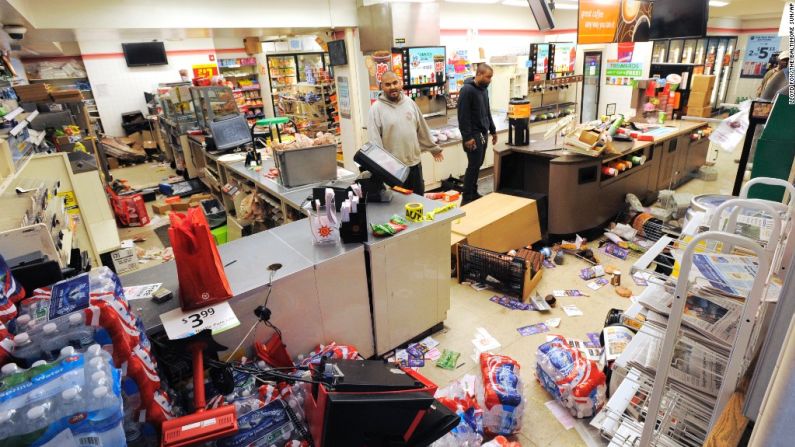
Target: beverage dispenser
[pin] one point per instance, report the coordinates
(519, 122)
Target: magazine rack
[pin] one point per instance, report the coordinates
(688, 396)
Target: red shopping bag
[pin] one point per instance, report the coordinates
(202, 280)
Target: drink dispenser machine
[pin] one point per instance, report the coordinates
(518, 122)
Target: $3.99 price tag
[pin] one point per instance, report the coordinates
(182, 324)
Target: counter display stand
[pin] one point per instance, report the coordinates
(578, 194)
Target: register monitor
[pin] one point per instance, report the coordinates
(384, 168)
(230, 133)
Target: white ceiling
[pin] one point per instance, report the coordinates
(58, 42)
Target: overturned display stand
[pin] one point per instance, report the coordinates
(686, 374)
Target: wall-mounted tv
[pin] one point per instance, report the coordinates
(679, 18)
(336, 53)
(144, 53)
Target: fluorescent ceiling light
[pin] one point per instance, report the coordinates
(473, 1)
(717, 3)
(566, 6)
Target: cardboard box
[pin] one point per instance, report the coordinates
(146, 135)
(113, 163)
(252, 45)
(197, 198)
(66, 96)
(704, 112)
(161, 208)
(500, 223)
(702, 83)
(149, 144)
(699, 99)
(136, 139)
(180, 207)
(32, 92)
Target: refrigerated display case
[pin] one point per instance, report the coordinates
(712, 55)
(424, 77)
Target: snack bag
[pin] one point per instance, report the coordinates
(573, 380)
(501, 394)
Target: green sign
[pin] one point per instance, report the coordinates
(624, 69)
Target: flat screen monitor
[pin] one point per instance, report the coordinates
(383, 164)
(542, 14)
(144, 53)
(564, 57)
(679, 18)
(426, 65)
(231, 132)
(336, 53)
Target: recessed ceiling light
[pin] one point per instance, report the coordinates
(717, 3)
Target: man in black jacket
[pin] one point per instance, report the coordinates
(475, 122)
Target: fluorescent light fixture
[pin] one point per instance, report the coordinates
(473, 1)
(717, 3)
(566, 6)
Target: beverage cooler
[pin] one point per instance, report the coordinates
(424, 79)
(290, 69)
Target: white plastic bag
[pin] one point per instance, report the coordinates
(731, 131)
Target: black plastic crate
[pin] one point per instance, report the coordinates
(507, 274)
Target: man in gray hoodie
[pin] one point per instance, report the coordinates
(397, 125)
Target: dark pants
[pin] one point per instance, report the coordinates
(415, 182)
(475, 159)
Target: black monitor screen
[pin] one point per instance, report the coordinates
(231, 132)
(336, 53)
(380, 162)
(679, 18)
(144, 53)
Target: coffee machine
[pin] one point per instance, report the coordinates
(519, 122)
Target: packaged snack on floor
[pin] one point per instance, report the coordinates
(573, 380)
(330, 351)
(468, 433)
(272, 424)
(501, 441)
(500, 394)
(39, 405)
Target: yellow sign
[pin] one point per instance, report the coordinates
(69, 202)
(205, 70)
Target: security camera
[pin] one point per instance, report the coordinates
(16, 32)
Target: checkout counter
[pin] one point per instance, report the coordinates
(375, 296)
(575, 195)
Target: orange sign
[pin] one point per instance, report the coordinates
(205, 71)
(608, 21)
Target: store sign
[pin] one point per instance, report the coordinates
(344, 96)
(609, 21)
(757, 54)
(205, 71)
(622, 73)
(182, 324)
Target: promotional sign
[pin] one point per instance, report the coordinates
(564, 58)
(542, 59)
(757, 54)
(426, 65)
(622, 73)
(609, 21)
(344, 97)
(205, 71)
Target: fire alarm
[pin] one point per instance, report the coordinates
(212, 57)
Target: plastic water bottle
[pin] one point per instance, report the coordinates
(66, 351)
(9, 369)
(99, 378)
(96, 350)
(21, 323)
(78, 334)
(36, 418)
(25, 349)
(72, 401)
(51, 341)
(7, 428)
(102, 398)
(38, 363)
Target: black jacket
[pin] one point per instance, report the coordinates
(474, 112)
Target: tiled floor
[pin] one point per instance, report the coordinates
(471, 309)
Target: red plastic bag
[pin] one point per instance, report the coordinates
(202, 280)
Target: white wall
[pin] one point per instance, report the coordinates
(118, 88)
(124, 14)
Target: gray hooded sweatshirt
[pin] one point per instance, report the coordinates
(400, 128)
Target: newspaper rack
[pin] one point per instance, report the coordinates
(675, 369)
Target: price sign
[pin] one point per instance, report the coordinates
(205, 71)
(758, 51)
(182, 324)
